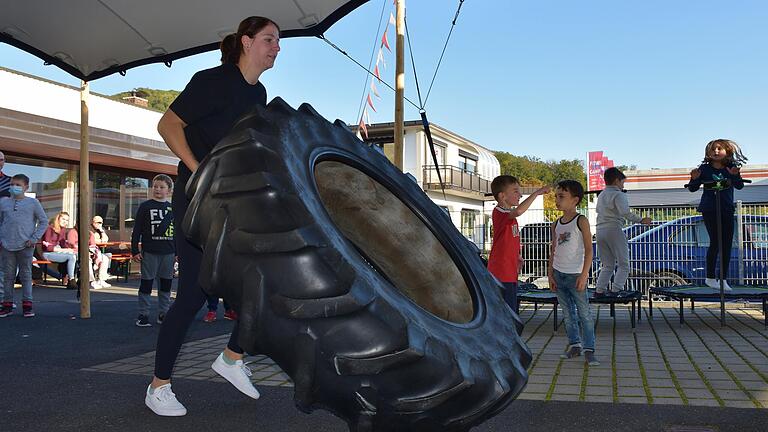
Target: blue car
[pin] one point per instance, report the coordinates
(674, 253)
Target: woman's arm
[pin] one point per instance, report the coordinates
(171, 128)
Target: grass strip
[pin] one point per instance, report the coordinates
(672, 374)
(728, 371)
(693, 362)
(646, 387)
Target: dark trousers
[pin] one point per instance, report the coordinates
(189, 296)
(510, 294)
(213, 303)
(710, 221)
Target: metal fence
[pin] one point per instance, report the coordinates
(671, 251)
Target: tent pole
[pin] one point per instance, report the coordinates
(399, 130)
(83, 216)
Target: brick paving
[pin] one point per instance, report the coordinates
(661, 362)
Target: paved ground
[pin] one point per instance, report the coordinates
(64, 373)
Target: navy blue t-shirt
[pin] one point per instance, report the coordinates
(707, 203)
(210, 105)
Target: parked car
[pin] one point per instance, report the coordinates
(674, 253)
(635, 230)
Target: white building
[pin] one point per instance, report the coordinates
(467, 170)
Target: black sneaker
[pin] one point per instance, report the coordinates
(571, 351)
(143, 321)
(160, 318)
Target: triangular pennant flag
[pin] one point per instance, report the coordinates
(366, 116)
(380, 59)
(370, 103)
(385, 42)
(361, 127)
(391, 18)
(374, 90)
(376, 72)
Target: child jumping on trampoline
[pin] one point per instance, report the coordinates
(570, 258)
(612, 210)
(722, 161)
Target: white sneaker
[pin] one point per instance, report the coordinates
(238, 374)
(712, 283)
(162, 401)
(104, 284)
(726, 287)
(95, 285)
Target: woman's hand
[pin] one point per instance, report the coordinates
(552, 284)
(137, 257)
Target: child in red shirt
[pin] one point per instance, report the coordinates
(504, 259)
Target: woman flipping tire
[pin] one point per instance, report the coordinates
(347, 275)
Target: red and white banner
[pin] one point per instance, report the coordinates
(596, 166)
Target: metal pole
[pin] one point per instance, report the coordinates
(85, 206)
(399, 82)
(740, 237)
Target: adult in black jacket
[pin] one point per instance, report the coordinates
(195, 122)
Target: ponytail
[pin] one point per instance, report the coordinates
(232, 45)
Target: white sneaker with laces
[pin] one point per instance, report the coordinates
(104, 284)
(238, 374)
(162, 401)
(726, 287)
(712, 283)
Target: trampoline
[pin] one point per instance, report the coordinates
(706, 294)
(530, 293)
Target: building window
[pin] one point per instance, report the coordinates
(439, 152)
(52, 183)
(136, 192)
(106, 200)
(469, 222)
(467, 161)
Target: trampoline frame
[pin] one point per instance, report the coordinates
(675, 293)
(540, 296)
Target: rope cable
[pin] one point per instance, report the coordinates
(453, 25)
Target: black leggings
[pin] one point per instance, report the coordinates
(710, 221)
(189, 297)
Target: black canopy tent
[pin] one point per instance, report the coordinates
(91, 39)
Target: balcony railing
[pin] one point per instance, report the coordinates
(455, 178)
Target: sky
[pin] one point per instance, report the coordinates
(649, 83)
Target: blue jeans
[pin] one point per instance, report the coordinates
(510, 294)
(21, 260)
(59, 257)
(568, 297)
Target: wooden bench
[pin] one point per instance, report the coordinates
(43, 264)
(123, 264)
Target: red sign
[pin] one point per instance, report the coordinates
(596, 165)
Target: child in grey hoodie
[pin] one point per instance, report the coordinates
(612, 245)
(22, 223)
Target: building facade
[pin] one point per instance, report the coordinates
(40, 137)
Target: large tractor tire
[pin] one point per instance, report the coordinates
(348, 276)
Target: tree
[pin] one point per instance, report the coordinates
(158, 100)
